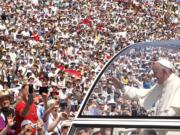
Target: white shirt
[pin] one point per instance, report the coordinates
(2, 27)
(57, 129)
(165, 95)
(35, 2)
(63, 95)
(26, 33)
(1, 87)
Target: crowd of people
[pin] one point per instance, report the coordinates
(50, 52)
(110, 131)
(93, 131)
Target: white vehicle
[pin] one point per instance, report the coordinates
(108, 110)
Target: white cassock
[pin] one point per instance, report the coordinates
(166, 96)
(35, 2)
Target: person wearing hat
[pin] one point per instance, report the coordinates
(26, 127)
(165, 93)
(65, 126)
(63, 95)
(97, 131)
(53, 124)
(6, 110)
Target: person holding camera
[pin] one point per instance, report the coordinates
(26, 109)
(55, 118)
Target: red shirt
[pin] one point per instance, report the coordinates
(31, 115)
(35, 37)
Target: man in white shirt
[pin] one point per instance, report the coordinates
(165, 93)
(63, 94)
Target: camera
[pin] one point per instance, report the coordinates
(31, 88)
(43, 90)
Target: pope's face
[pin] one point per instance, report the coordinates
(158, 72)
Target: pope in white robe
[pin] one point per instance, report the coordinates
(166, 96)
(165, 93)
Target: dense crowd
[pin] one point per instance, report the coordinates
(109, 131)
(50, 51)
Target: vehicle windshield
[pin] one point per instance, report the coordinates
(134, 68)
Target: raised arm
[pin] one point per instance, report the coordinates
(52, 125)
(24, 112)
(10, 123)
(116, 82)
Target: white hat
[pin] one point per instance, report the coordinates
(53, 84)
(32, 77)
(51, 102)
(50, 74)
(111, 101)
(166, 63)
(25, 122)
(95, 130)
(53, 66)
(66, 123)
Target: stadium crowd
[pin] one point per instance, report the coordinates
(50, 52)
